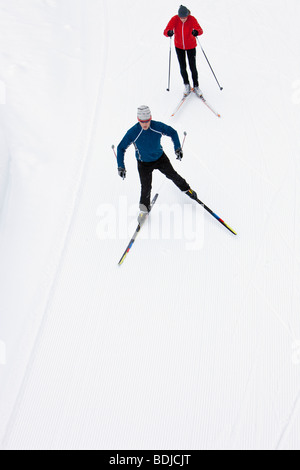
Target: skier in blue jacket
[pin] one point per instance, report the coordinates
(146, 137)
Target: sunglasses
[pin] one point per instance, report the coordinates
(144, 122)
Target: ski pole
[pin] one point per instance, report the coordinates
(221, 88)
(170, 55)
(185, 134)
(113, 147)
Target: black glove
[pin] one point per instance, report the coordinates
(195, 32)
(122, 172)
(170, 33)
(179, 154)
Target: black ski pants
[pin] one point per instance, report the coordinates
(191, 53)
(146, 169)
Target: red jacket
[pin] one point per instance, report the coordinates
(183, 32)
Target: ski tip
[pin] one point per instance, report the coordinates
(122, 260)
(228, 227)
(225, 225)
(231, 230)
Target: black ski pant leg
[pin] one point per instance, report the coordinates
(182, 64)
(165, 167)
(145, 172)
(193, 66)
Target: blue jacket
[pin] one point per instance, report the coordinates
(147, 143)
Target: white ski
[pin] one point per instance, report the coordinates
(182, 101)
(209, 106)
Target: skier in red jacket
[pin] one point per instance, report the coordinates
(186, 29)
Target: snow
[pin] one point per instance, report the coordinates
(194, 343)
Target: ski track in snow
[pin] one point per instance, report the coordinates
(70, 213)
(206, 361)
(73, 211)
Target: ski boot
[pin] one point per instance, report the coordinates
(198, 92)
(144, 211)
(192, 194)
(187, 89)
(142, 217)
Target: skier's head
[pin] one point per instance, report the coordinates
(144, 117)
(183, 13)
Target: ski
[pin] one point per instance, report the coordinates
(204, 101)
(136, 233)
(182, 101)
(209, 106)
(216, 216)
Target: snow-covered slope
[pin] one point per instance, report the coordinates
(51, 78)
(194, 342)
